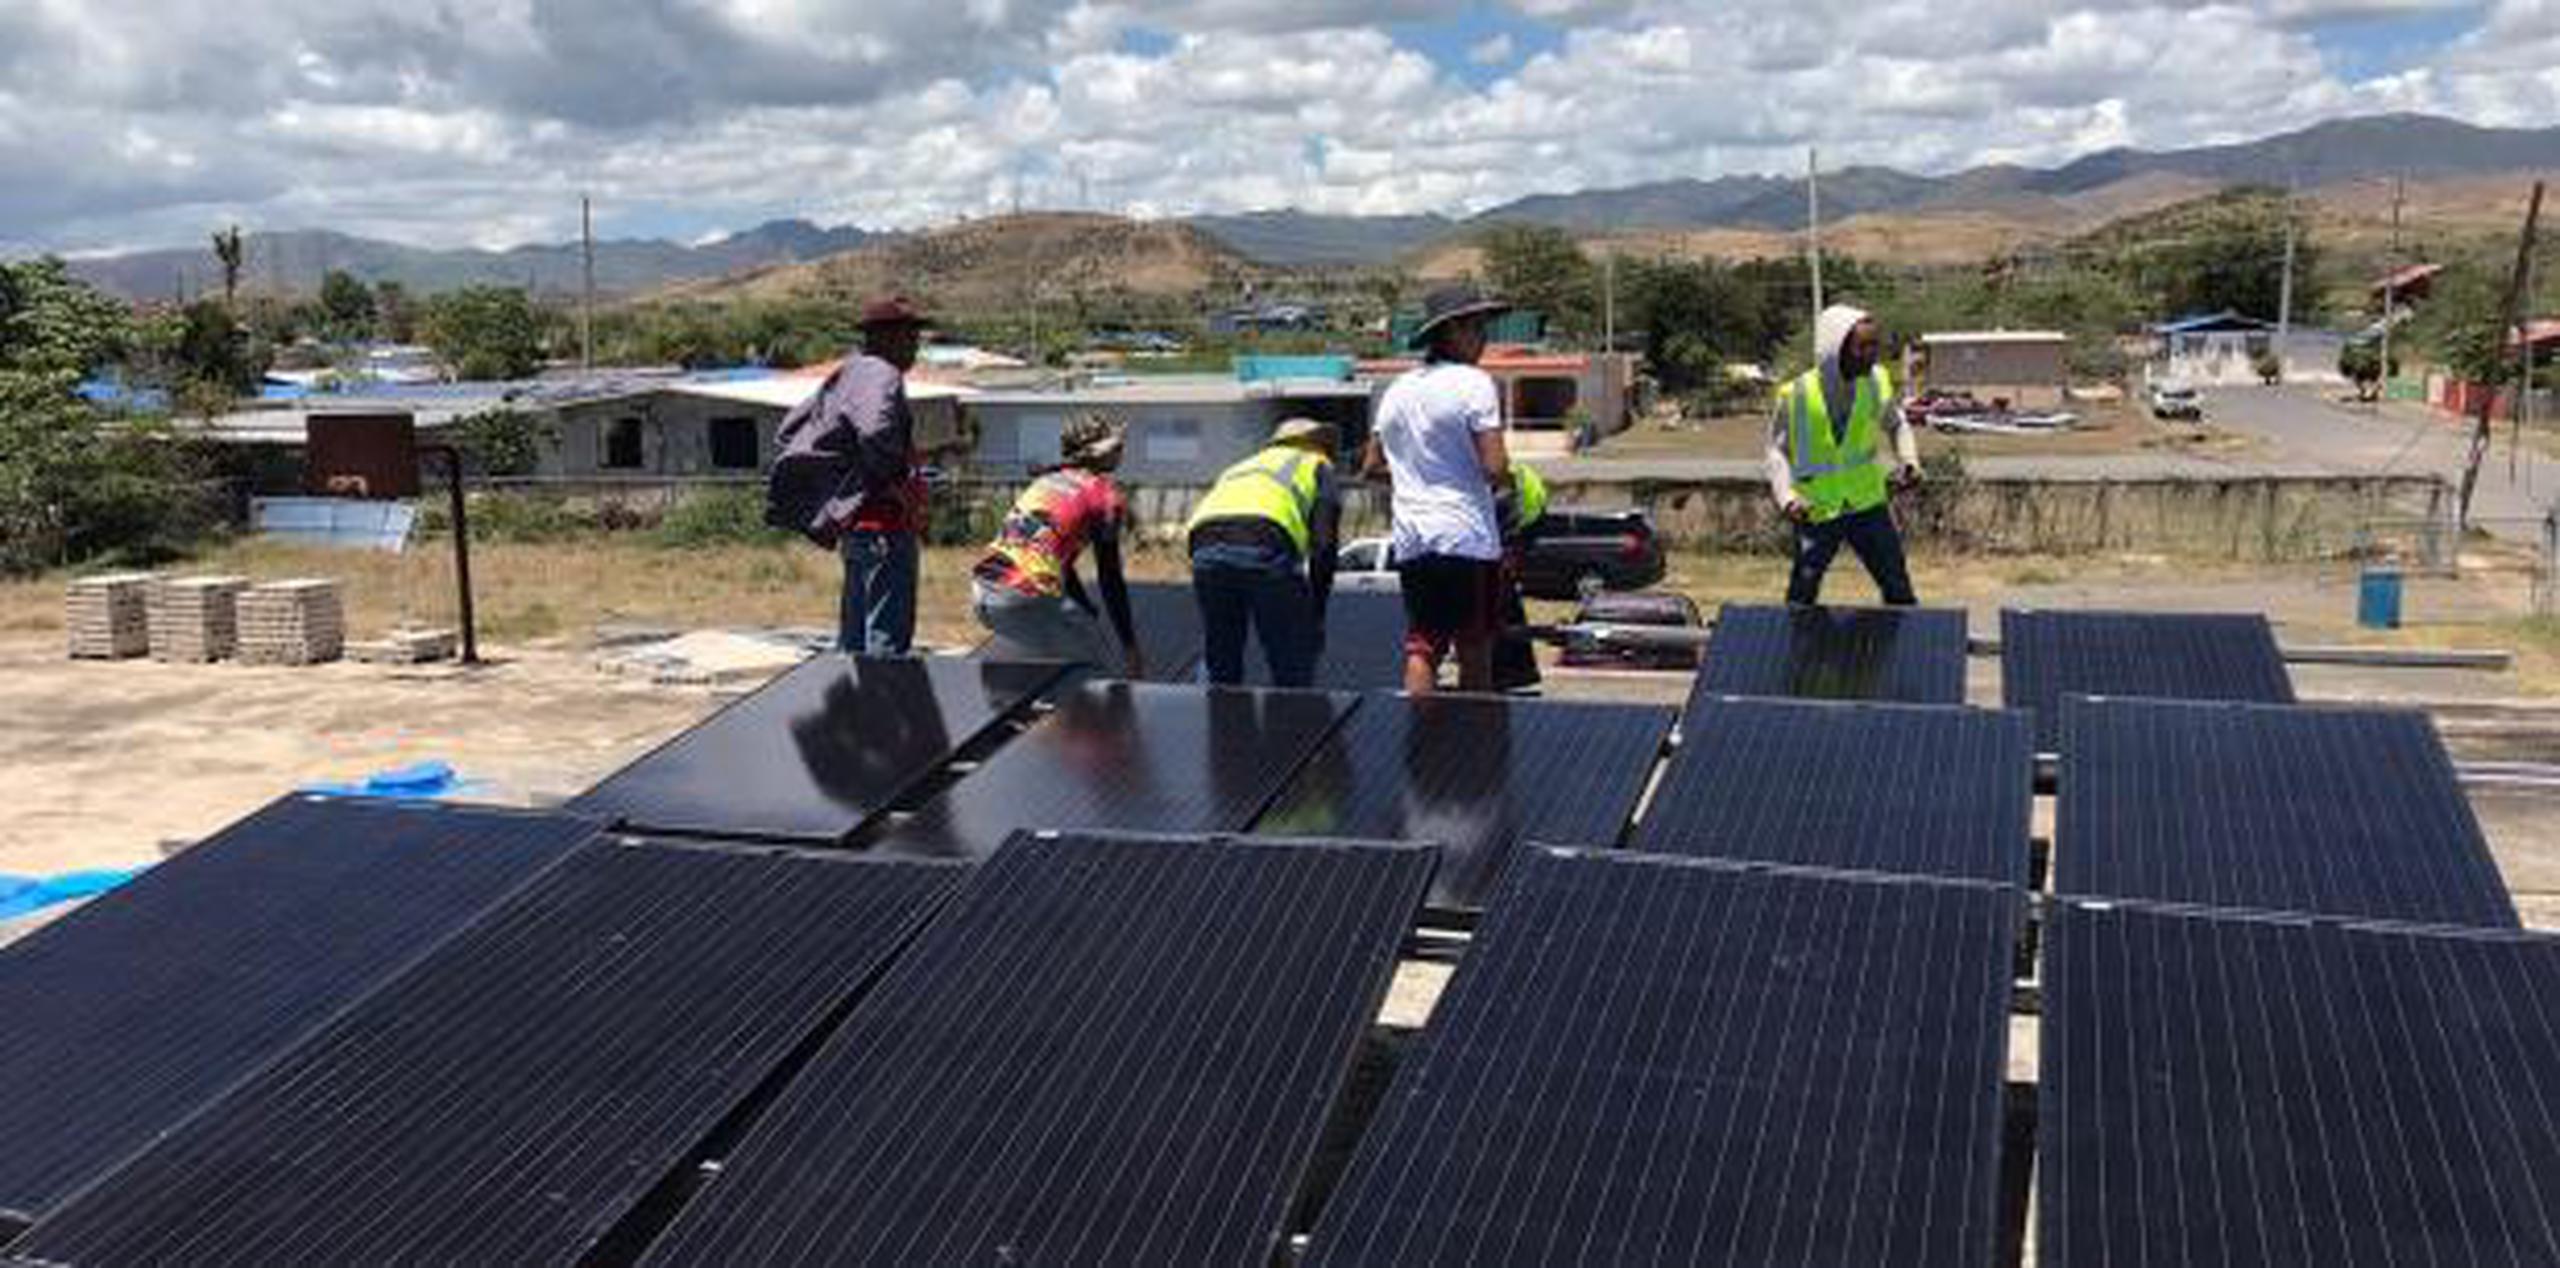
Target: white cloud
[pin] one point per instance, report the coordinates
(454, 121)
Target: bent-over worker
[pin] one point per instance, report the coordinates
(1264, 544)
(1827, 462)
(1025, 589)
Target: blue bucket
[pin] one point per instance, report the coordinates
(2378, 599)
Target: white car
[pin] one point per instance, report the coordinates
(1363, 565)
(2176, 400)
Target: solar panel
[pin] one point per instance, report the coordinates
(2045, 656)
(2343, 812)
(1166, 618)
(1915, 655)
(818, 751)
(130, 1013)
(1363, 645)
(1109, 1051)
(2222, 1091)
(1655, 1061)
(519, 1090)
(1921, 789)
(1136, 757)
(1477, 775)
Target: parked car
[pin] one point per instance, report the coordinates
(2177, 400)
(1569, 547)
(1647, 608)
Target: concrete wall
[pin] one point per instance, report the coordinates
(675, 435)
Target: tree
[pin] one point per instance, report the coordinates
(215, 353)
(486, 332)
(346, 304)
(395, 314)
(232, 252)
(1543, 268)
(503, 441)
(2228, 252)
(2361, 362)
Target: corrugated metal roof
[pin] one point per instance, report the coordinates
(1995, 336)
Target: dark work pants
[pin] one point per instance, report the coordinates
(1870, 533)
(877, 616)
(1271, 601)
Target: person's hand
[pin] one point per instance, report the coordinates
(1794, 508)
(1906, 476)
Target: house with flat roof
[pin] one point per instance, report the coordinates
(2027, 368)
(1183, 429)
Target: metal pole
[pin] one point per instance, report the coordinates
(587, 308)
(2284, 296)
(1813, 232)
(461, 546)
(2391, 283)
(1609, 304)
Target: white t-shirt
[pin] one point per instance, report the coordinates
(1428, 421)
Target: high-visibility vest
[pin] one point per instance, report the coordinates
(1532, 488)
(1277, 484)
(1836, 474)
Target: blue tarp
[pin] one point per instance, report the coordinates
(20, 895)
(418, 781)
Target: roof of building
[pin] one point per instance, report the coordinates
(1995, 336)
(2409, 275)
(2539, 331)
(2200, 323)
(1172, 389)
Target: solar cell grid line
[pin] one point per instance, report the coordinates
(2046, 656)
(512, 1095)
(1111, 1050)
(2333, 812)
(2230, 1090)
(133, 1012)
(1647, 1060)
(1138, 757)
(1477, 775)
(1922, 789)
(1914, 655)
(817, 751)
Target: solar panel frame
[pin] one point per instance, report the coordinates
(2353, 813)
(519, 1090)
(1616, 1002)
(1120, 756)
(2048, 655)
(1166, 619)
(820, 750)
(201, 971)
(1919, 789)
(2226, 1090)
(1912, 655)
(1478, 775)
(1111, 1049)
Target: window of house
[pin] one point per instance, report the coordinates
(622, 449)
(1544, 400)
(733, 443)
(1170, 440)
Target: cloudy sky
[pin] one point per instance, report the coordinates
(460, 122)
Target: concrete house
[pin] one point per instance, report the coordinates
(2028, 368)
(1183, 429)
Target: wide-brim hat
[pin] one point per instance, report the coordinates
(1091, 435)
(1452, 303)
(893, 310)
(1293, 430)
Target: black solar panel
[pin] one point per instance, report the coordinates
(1109, 1051)
(515, 1093)
(1128, 757)
(120, 1019)
(2342, 812)
(2045, 656)
(1922, 789)
(2222, 1091)
(1363, 646)
(1167, 620)
(1916, 655)
(818, 751)
(1653, 1061)
(1477, 776)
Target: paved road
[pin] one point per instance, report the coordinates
(2305, 430)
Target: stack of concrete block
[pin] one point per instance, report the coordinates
(298, 622)
(195, 619)
(406, 647)
(109, 617)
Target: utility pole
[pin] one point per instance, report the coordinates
(587, 306)
(2284, 294)
(1609, 302)
(2391, 287)
(1813, 230)
(2510, 319)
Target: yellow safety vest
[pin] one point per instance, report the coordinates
(1836, 475)
(1532, 488)
(1277, 484)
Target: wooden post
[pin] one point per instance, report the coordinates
(2509, 319)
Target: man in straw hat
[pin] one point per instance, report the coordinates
(849, 477)
(1025, 589)
(1828, 466)
(1439, 441)
(1264, 543)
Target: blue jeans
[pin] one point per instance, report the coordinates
(1872, 535)
(878, 616)
(1240, 590)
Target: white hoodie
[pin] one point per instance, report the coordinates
(1831, 330)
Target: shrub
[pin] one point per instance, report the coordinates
(717, 517)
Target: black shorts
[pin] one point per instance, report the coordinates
(1449, 599)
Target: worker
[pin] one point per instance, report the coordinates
(1439, 443)
(1264, 544)
(1025, 589)
(1518, 510)
(1827, 464)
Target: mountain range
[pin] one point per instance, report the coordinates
(2071, 197)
